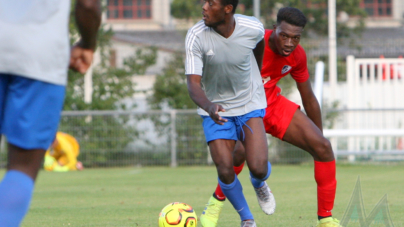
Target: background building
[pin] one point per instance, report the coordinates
(384, 13)
(123, 15)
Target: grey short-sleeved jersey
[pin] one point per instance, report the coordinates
(229, 70)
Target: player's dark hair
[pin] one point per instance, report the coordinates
(292, 16)
(231, 2)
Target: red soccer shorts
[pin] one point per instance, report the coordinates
(278, 116)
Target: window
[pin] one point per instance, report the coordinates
(129, 9)
(377, 8)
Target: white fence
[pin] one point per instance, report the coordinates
(373, 97)
(116, 138)
(375, 83)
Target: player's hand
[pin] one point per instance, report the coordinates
(213, 111)
(79, 165)
(80, 58)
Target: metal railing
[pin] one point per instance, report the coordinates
(175, 138)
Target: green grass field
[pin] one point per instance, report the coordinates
(134, 196)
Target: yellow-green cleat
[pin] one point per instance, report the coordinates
(211, 214)
(328, 222)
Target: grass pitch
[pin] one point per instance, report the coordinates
(134, 196)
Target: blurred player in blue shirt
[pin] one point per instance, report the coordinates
(35, 57)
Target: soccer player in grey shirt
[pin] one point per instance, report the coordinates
(224, 57)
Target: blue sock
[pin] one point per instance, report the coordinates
(257, 183)
(15, 196)
(234, 193)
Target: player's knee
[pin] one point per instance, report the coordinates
(324, 150)
(259, 171)
(227, 178)
(226, 174)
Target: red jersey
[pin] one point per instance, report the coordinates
(275, 66)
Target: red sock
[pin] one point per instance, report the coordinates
(324, 173)
(218, 193)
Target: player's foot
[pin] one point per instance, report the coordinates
(248, 223)
(266, 199)
(328, 222)
(210, 215)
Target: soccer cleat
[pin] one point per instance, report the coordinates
(248, 223)
(328, 222)
(266, 199)
(210, 215)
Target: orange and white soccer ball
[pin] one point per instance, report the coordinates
(177, 214)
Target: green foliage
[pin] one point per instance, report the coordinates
(110, 85)
(330, 115)
(316, 12)
(170, 88)
(186, 9)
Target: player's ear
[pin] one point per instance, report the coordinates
(228, 8)
(274, 27)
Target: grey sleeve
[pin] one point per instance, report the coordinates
(193, 63)
(261, 32)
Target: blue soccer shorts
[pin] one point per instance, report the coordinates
(29, 111)
(232, 129)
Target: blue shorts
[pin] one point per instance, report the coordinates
(29, 111)
(232, 129)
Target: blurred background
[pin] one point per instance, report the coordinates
(132, 108)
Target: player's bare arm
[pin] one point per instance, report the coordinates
(199, 97)
(88, 19)
(310, 103)
(259, 53)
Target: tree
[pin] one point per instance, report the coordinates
(170, 88)
(103, 137)
(170, 91)
(186, 9)
(316, 12)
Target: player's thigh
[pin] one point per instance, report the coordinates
(221, 140)
(221, 152)
(255, 140)
(238, 154)
(32, 113)
(303, 133)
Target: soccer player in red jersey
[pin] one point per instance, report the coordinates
(282, 56)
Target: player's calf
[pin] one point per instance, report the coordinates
(265, 198)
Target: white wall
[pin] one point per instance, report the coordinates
(398, 10)
(161, 13)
